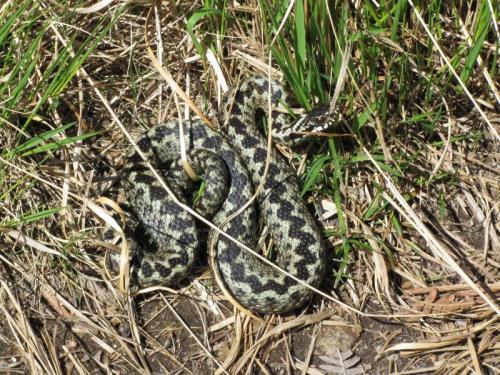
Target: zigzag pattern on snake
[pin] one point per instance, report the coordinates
(231, 165)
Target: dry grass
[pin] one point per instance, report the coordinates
(407, 186)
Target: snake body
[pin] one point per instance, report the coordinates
(231, 165)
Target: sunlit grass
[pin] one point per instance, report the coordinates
(401, 116)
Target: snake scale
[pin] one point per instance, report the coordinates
(231, 164)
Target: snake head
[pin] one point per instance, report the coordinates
(318, 119)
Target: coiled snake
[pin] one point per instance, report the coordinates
(230, 165)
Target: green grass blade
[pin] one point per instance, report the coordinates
(32, 217)
(313, 173)
(193, 20)
(478, 42)
(300, 34)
